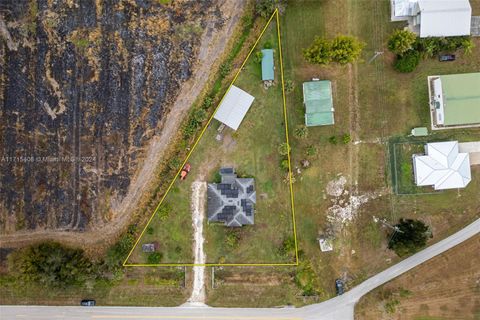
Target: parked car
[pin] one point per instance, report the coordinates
(87, 303)
(339, 286)
(446, 57)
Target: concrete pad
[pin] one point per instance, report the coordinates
(473, 149)
(475, 26)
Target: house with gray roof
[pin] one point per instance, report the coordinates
(232, 201)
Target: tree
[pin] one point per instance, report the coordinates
(320, 52)
(410, 236)
(346, 49)
(51, 264)
(283, 149)
(407, 62)
(301, 132)
(401, 41)
(265, 8)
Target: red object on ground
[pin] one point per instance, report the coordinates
(185, 171)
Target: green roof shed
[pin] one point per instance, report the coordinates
(317, 97)
(268, 72)
(420, 132)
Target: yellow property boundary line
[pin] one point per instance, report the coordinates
(125, 264)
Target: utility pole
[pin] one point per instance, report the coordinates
(377, 53)
(388, 225)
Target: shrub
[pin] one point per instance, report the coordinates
(407, 62)
(289, 86)
(190, 127)
(174, 163)
(154, 258)
(467, 45)
(283, 149)
(265, 8)
(164, 211)
(150, 230)
(51, 264)
(199, 115)
(207, 102)
(288, 246)
(332, 140)
(268, 44)
(342, 49)
(346, 138)
(346, 49)
(301, 132)
(320, 52)
(391, 306)
(305, 278)
(257, 58)
(117, 253)
(225, 69)
(217, 178)
(284, 164)
(430, 47)
(247, 21)
(232, 239)
(311, 150)
(401, 41)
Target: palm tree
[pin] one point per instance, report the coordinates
(301, 132)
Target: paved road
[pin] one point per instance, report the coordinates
(339, 308)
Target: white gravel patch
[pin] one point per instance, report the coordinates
(199, 190)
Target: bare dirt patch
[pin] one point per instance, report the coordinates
(446, 287)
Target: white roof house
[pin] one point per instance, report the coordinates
(442, 166)
(434, 18)
(234, 107)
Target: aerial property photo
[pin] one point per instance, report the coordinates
(250, 159)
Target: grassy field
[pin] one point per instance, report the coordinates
(253, 151)
(373, 104)
(445, 287)
(137, 287)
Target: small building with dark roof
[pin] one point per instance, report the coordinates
(232, 201)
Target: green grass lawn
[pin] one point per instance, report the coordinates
(384, 104)
(253, 151)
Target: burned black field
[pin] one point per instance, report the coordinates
(83, 87)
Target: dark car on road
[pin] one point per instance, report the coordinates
(87, 303)
(339, 286)
(446, 57)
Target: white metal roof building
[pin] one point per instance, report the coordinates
(234, 107)
(442, 166)
(434, 18)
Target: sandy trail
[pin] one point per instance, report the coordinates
(199, 189)
(213, 44)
